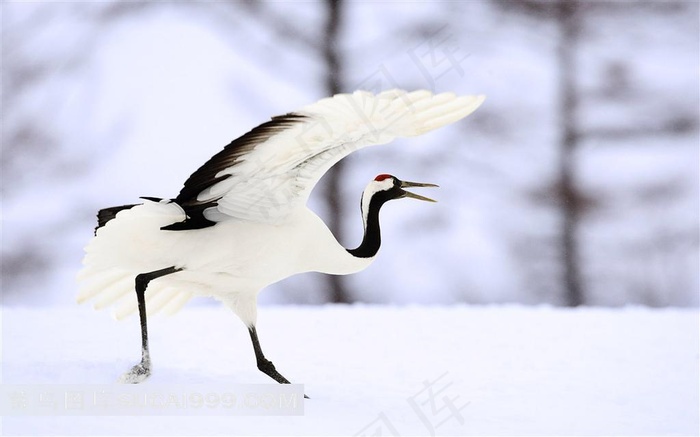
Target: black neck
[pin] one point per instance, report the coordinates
(372, 238)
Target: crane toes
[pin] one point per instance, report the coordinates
(266, 366)
(137, 374)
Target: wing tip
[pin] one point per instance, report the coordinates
(472, 102)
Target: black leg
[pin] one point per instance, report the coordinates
(265, 365)
(142, 370)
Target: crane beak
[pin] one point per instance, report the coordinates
(406, 184)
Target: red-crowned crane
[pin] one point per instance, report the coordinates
(241, 222)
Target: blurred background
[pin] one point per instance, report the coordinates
(576, 183)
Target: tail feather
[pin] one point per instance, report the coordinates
(177, 302)
(113, 292)
(116, 289)
(92, 285)
(114, 258)
(127, 306)
(157, 302)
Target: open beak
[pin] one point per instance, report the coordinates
(405, 184)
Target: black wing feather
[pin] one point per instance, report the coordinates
(106, 214)
(205, 176)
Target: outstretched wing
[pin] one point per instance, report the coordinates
(269, 172)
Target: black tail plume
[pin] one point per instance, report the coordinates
(107, 214)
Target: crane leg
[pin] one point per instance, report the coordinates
(141, 371)
(265, 365)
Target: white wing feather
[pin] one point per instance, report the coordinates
(277, 175)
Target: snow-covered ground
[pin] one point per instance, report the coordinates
(383, 370)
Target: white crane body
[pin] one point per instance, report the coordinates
(211, 260)
(241, 223)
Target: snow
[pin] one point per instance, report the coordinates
(508, 370)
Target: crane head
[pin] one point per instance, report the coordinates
(390, 187)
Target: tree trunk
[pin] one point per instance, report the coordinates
(569, 199)
(337, 284)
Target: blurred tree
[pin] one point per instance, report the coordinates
(325, 47)
(568, 193)
(563, 191)
(339, 292)
(42, 69)
(31, 153)
(574, 18)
